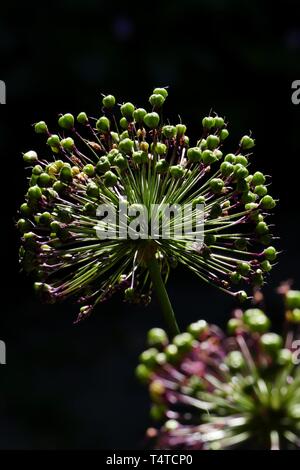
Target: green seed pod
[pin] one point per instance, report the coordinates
(235, 360)
(212, 141)
(284, 357)
(270, 253)
(251, 206)
(198, 200)
(148, 357)
(126, 146)
(242, 296)
(241, 160)
(171, 352)
(219, 121)
(196, 329)
(247, 142)
(110, 179)
(139, 114)
(156, 100)
(143, 373)
(41, 127)
(103, 124)
(161, 166)
(160, 148)
(248, 197)
(240, 172)
(294, 315)
(240, 244)
(124, 135)
(30, 157)
(109, 101)
(66, 121)
(292, 299)
(120, 162)
(235, 277)
(151, 120)
(232, 325)
(82, 119)
(45, 218)
(230, 158)
(176, 171)
(157, 337)
(53, 141)
(37, 170)
(226, 169)
(59, 187)
(102, 166)
(92, 190)
(271, 342)
(34, 193)
(243, 268)
(218, 154)
(256, 320)
(261, 190)
(23, 225)
(124, 123)
(258, 178)
(262, 228)
(161, 91)
(25, 210)
(208, 157)
(216, 185)
(268, 202)
(266, 266)
(223, 134)
(89, 170)
(65, 174)
(208, 122)
(258, 278)
(169, 131)
(194, 154)
(68, 144)
(115, 137)
(127, 110)
(183, 341)
(180, 130)
(44, 180)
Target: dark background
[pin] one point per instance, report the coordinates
(67, 386)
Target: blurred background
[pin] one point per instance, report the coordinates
(66, 386)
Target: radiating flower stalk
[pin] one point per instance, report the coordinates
(212, 390)
(140, 160)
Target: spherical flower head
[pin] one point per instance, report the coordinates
(130, 160)
(212, 390)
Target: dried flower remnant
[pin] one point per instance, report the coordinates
(141, 161)
(212, 390)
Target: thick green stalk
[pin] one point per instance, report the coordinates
(162, 296)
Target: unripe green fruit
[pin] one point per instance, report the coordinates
(103, 124)
(66, 121)
(44, 180)
(169, 131)
(268, 202)
(143, 373)
(110, 179)
(102, 166)
(240, 172)
(183, 341)
(82, 118)
(65, 174)
(157, 337)
(53, 141)
(92, 190)
(219, 121)
(258, 178)
(172, 353)
(68, 144)
(124, 123)
(41, 127)
(208, 157)
(34, 193)
(247, 142)
(151, 120)
(262, 228)
(156, 100)
(224, 134)
(235, 277)
(226, 168)
(45, 218)
(235, 360)
(109, 101)
(271, 342)
(161, 91)
(176, 171)
(197, 328)
(256, 320)
(37, 170)
(266, 266)
(25, 210)
(194, 154)
(292, 299)
(139, 114)
(127, 110)
(120, 162)
(89, 170)
(180, 130)
(230, 158)
(242, 296)
(270, 253)
(30, 157)
(160, 148)
(148, 357)
(126, 146)
(243, 268)
(161, 166)
(232, 325)
(212, 141)
(208, 122)
(216, 185)
(241, 160)
(261, 190)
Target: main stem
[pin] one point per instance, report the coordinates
(162, 295)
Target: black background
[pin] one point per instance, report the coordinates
(67, 386)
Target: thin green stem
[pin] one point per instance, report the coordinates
(162, 295)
